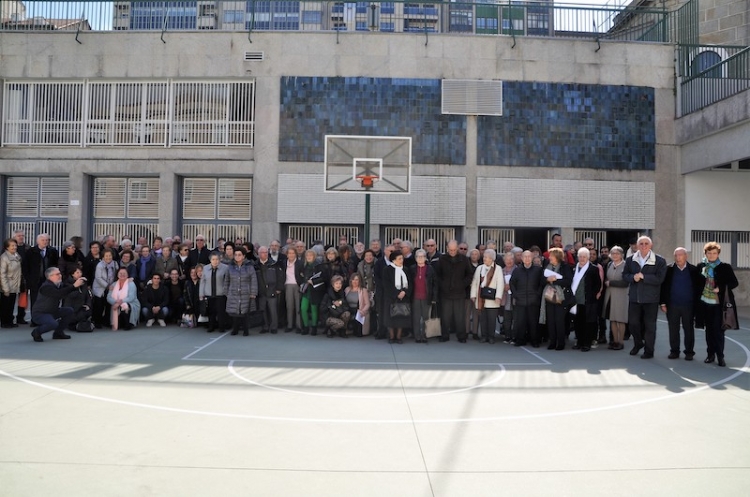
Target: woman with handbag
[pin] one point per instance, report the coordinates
(424, 295)
(487, 294)
(10, 281)
(397, 294)
(716, 301)
(556, 309)
(616, 301)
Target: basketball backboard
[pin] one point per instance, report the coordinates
(367, 164)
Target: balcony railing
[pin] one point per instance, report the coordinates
(715, 83)
(508, 17)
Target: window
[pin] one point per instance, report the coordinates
(312, 17)
(234, 17)
(705, 60)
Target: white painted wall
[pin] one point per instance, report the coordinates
(717, 200)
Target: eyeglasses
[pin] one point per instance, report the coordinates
(463, 248)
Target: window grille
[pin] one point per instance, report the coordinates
(417, 235)
(499, 235)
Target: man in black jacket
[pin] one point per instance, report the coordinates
(47, 312)
(199, 255)
(454, 273)
(680, 293)
(38, 259)
(526, 285)
(271, 279)
(155, 302)
(645, 272)
(79, 301)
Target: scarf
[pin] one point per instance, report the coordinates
(402, 282)
(708, 295)
(708, 268)
(580, 271)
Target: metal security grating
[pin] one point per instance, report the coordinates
(472, 97)
(499, 235)
(726, 239)
(329, 235)
(600, 237)
(417, 235)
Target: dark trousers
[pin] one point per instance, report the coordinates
(675, 316)
(217, 310)
(382, 310)
(100, 311)
(556, 315)
(239, 322)
(269, 307)
(526, 323)
(6, 309)
(487, 322)
(508, 323)
(58, 320)
(148, 313)
(714, 333)
(21, 314)
(420, 312)
(642, 322)
(453, 317)
(79, 316)
(585, 330)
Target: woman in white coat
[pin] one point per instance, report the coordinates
(487, 293)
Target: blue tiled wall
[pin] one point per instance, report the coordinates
(570, 125)
(312, 107)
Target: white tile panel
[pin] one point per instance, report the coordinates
(433, 201)
(573, 203)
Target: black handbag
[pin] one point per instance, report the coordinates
(400, 309)
(488, 293)
(729, 313)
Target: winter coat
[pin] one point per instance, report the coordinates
(647, 290)
(454, 276)
(165, 266)
(205, 282)
(11, 272)
(270, 278)
(132, 301)
(67, 264)
(35, 265)
(102, 279)
(497, 282)
(241, 288)
(527, 285)
(725, 279)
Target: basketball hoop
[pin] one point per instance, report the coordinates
(367, 180)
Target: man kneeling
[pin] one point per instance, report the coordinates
(47, 312)
(154, 301)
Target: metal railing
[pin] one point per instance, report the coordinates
(717, 82)
(501, 17)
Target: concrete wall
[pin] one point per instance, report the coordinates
(123, 55)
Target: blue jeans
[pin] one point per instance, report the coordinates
(58, 320)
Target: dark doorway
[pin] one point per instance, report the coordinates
(526, 237)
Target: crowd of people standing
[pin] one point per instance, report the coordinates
(392, 291)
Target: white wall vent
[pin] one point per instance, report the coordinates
(249, 56)
(472, 97)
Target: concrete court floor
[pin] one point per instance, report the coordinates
(168, 411)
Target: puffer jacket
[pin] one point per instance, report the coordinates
(647, 290)
(241, 288)
(10, 272)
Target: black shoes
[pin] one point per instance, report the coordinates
(710, 359)
(636, 349)
(234, 332)
(58, 336)
(673, 355)
(646, 355)
(273, 332)
(263, 331)
(689, 357)
(305, 331)
(444, 339)
(722, 363)
(37, 336)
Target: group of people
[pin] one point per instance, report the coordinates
(390, 291)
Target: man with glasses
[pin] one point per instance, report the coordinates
(47, 311)
(198, 255)
(430, 247)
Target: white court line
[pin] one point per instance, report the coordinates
(397, 396)
(373, 363)
(544, 361)
(213, 341)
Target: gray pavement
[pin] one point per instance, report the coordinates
(169, 411)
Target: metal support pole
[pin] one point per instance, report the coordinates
(367, 220)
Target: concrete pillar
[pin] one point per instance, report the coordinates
(76, 226)
(471, 230)
(265, 176)
(169, 200)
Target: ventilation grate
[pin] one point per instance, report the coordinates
(472, 97)
(249, 56)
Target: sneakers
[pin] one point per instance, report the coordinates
(149, 323)
(162, 323)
